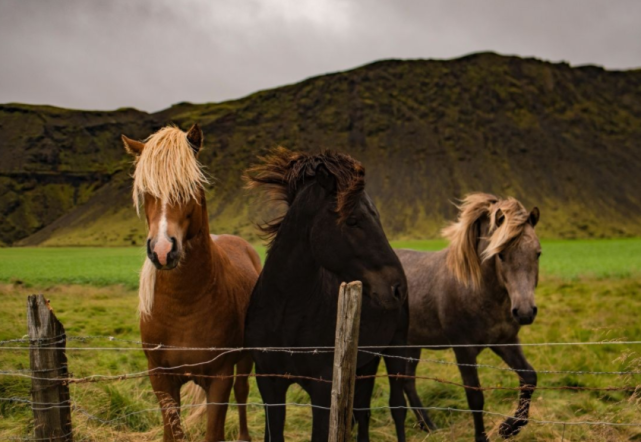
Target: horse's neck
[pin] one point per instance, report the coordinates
(196, 274)
(291, 255)
(490, 286)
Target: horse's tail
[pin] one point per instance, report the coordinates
(193, 400)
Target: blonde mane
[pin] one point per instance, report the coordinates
(146, 289)
(168, 169)
(507, 219)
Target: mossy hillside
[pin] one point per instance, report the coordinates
(53, 160)
(565, 139)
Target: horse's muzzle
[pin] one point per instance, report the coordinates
(524, 317)
(163, 258)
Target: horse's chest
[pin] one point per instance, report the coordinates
(501, 331)
(181, 331)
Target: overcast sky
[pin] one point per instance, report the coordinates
(149, 54)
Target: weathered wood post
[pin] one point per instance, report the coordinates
(51, 405)
(345, 353)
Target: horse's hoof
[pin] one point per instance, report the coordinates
(481, 438)
(428, 426)
(511, 427)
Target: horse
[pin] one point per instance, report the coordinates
(194, 287)
(329, 233)
(476, 293)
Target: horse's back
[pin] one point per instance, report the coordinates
(419, 266)
(427, 284)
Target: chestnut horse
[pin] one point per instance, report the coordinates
(330, 233)
(194, 287)
(475, 294)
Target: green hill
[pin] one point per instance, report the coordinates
(565, 139)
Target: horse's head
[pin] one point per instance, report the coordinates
(497, 235)
(517, 267)
(350, 242)
(169, 182)
(326, 198)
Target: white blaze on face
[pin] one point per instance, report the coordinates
(163, 244)
(162, 228)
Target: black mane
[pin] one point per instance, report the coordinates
(283, 172)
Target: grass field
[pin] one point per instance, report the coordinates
(590, 291)
(43, 267)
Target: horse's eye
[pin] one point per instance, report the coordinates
(538, 255)
(501, 257)
(351, 221)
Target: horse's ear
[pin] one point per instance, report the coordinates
(132, 146)
(499, 218)
(325, 178)
(534, 217)
(195, 138)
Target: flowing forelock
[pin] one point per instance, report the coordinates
(168, 169)
(463, 258)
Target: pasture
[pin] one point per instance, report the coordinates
(589, 291)
(43, 267)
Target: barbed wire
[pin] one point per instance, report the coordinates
(409, 359)
(519, 370)
(222, 351)
(148, 346)
(301, 350)
(142, 374)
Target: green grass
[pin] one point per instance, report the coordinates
(590, 291)
(582, 310)
(594, 257)
(71, 265)
(120, 265)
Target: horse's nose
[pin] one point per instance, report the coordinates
(524, 317)
(163, 251)
(399, 291)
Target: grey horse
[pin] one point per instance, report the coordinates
(476, 293)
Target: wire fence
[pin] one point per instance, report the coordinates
(632, 386)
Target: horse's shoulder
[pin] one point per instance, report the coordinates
(229, 241)
(236, 248)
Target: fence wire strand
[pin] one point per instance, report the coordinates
(160, 346)
(52, 344)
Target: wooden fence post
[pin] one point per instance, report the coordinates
(51, 404)
(345, 353)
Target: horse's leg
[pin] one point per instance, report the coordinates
(241, 392)
(273, 391)
(167, 390)
(396, 363)
(514, 358)
(321, 395)
(363, 397)
(409, 385)
(475, 399)
(217, 399)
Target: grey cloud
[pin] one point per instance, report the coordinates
(97, 54)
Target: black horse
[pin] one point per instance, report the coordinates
(330, 233)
